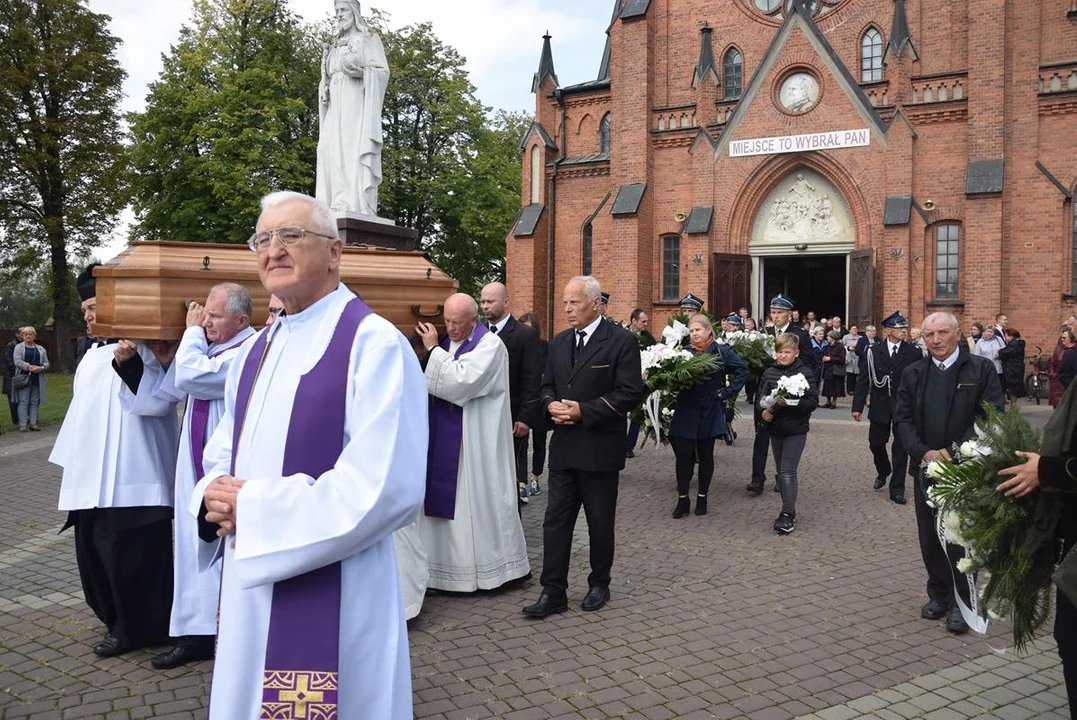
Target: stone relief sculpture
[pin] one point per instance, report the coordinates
(802, 208)
(355, 75)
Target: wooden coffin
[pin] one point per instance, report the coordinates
(143, 291)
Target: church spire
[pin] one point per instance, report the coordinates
(545, 68)
(900, 37)
(705, 66)
(604, 66)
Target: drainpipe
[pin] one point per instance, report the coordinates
(551, 201)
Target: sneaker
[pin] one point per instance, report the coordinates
(784, 523)
(523, 494)
(532, 487)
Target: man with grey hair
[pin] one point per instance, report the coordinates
(936, 407)
(215, 333)
(471, 530)
(592, 381)
(319, 457)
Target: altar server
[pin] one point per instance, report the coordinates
(197, 376)
(471, 529)
(320, 455)
(117, 488)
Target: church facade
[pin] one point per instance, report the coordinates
(861, 156)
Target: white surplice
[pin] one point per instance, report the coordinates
(411, 565)
(112, 458)
(192, 375)
(483, 547)
(288, 526)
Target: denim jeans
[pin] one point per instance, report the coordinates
(787, 451)
(29, 402)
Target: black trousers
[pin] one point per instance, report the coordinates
(941, 565)
(760, 450)
(686, 451)
(751, 388)
(538, 452)
(519, 448)
(568, 490)
(125, 564)
(1066, 637)
(894, 463)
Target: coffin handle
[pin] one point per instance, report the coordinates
(417, 311)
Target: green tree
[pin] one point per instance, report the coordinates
(450, 172)
(64, 179)
(233, 116)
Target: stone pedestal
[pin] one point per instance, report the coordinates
(370, 230)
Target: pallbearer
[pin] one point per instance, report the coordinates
(470, 529)
(119, 472)
(215, 333)
(320, 455)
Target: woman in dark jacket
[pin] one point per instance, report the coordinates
(1057, 475)
(787, 422)
(1054, 384)
(699, 417)
(1013, 365)
(833, 370)
(538, 431)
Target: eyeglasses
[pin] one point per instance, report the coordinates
(287, 236)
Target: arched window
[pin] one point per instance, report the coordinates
(947, 269)
(536, 174)
(604, 134)
(733, 73)
(671, 267)
(871, 56)
(588, 241)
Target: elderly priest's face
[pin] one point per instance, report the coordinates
(221, 325)
(303, 272)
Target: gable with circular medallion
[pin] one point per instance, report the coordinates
(799, 93)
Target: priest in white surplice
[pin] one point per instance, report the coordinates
(319, 456)
(118, 475)
(196, 377)
(471, 529)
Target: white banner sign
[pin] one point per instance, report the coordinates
(800, 143)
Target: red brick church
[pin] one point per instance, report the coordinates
(861, 156)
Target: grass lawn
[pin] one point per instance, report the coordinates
(55, 407)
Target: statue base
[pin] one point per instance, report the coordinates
(374, 231)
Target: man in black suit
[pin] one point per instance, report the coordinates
(525, 373)
(935, 410)
(637, 325)
(880, 376)
(781, 314)
(592, 381)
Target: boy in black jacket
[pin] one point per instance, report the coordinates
(787, 421)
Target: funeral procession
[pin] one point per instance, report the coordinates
(362, 362)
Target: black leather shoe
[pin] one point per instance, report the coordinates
(111, 647)
(181, 655)
(682, 509)
(701, 505)
(630, 454)
(934, 610)
(955, 623)
(899, 499)
(597, 596)
(880, 483)
(754, 488)
(546, 605)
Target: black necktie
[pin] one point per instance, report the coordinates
(580, 336)
(942, 366)
(493, 328)
(893, 350)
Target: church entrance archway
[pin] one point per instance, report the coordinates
(801, 241)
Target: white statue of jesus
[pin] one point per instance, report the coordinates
(355, 75)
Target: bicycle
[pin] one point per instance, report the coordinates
(1037, 384)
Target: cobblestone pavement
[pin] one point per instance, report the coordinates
(711, 617)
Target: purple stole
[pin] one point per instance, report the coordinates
(200, 417)
(446, 437)
(303, 647)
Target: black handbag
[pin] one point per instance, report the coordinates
(20, 381)
(1065, 576)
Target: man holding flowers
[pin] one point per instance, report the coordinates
(937, 403)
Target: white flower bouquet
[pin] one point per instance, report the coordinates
(666, 371)
(756, 349)
(790, 388)
(1011, 580)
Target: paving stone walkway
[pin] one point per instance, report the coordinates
(711, 617)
